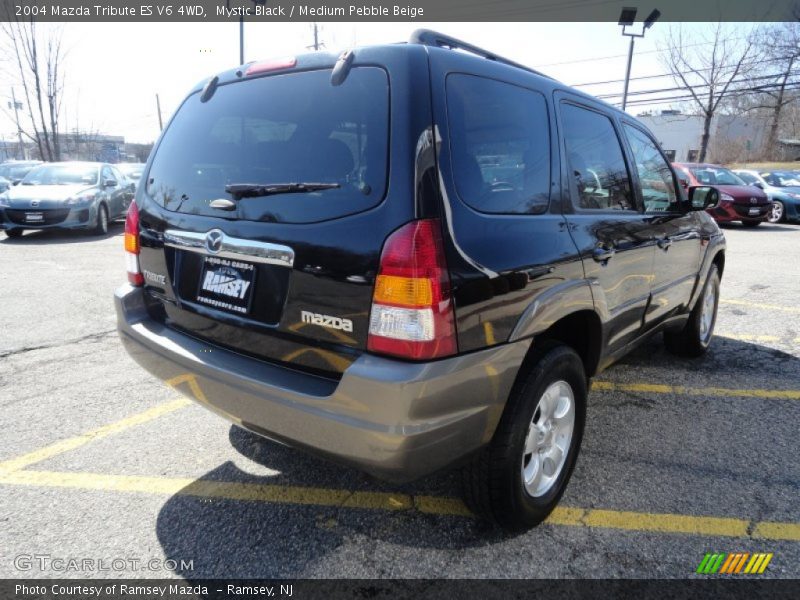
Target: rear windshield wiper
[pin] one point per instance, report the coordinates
(254, 190)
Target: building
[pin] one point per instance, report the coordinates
(734, 138)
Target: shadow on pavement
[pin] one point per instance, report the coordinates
(62, 236)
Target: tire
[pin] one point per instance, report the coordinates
(101, 225)
(494, 481)
(778, 212)
(751, 224)
(14, 233)
(694, 339)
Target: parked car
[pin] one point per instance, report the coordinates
(66, 195)
(408, 289)
(133, 171)
(782, 189)
(15, 170)
(737, 200)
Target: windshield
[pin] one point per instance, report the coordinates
(283, 129)
(62, 175)
(132, 171)
(715, 176)
(782, 178)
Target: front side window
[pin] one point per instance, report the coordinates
(655, 176)
(596, 161)
(500, 145)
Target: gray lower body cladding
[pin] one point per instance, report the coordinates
(393, 419)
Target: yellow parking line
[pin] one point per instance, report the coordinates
(658, 388)
(68, 444)
(749, 338)
(453, 507)
(792, 309)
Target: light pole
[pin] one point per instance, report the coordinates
(626, 19)
(241, 26)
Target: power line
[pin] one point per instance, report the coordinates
(733, 93)
(683, 87)
(598, 58)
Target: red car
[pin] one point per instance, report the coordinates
(737, 200)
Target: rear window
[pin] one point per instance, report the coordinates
(500, 145)
(293, 128)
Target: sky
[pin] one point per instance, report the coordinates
(114, 70)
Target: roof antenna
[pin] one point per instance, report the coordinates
(342, 68)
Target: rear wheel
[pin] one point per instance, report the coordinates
(694, 339)
(101, 225)
(14, 233)
(777, 212)
(518, 479)
(751, 223)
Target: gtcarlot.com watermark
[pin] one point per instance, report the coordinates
(73, 564)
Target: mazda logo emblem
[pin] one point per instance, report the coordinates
(214, 241)
(34, 203)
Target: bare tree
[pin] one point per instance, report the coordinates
(33, 56)
(780, 46)
(709, 70)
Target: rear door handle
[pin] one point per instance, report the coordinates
(664, 243)
(602, 255)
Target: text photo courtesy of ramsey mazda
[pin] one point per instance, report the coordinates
(398, 305)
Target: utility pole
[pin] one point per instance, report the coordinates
(19, 129)
(158, 107)
(241, 39)
(626, 19)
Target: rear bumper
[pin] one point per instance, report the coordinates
(395, 420)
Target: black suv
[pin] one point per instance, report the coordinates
(408, 257)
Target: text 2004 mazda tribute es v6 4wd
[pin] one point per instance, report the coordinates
(406, 257)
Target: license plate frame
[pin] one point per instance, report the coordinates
(220, 285)
(754, 212)
(34, 217)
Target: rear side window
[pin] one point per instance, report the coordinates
(500, 145)
(293, 128)
(596, 160)
(655, 176)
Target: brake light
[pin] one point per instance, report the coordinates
(271, 65)
(132, 245)
(412, 307)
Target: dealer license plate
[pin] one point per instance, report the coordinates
(226, 284)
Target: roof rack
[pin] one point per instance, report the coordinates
(428, 37)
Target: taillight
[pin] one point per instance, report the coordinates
(412, 308)
(132, 245)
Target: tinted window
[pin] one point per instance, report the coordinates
(595, 160)
(500, 145)
(655, 176)
(279, 129)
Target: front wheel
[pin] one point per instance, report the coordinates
(776, 213)
(518, 479)
(101, 225)
(694, 339)
(14, 233)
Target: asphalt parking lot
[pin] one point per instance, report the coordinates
(100, 461)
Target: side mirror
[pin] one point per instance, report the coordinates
(15, 181)
(758, 184)
(684, 183)
(110, 183)
(703, 197)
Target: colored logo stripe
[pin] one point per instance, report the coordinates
(734, 563)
